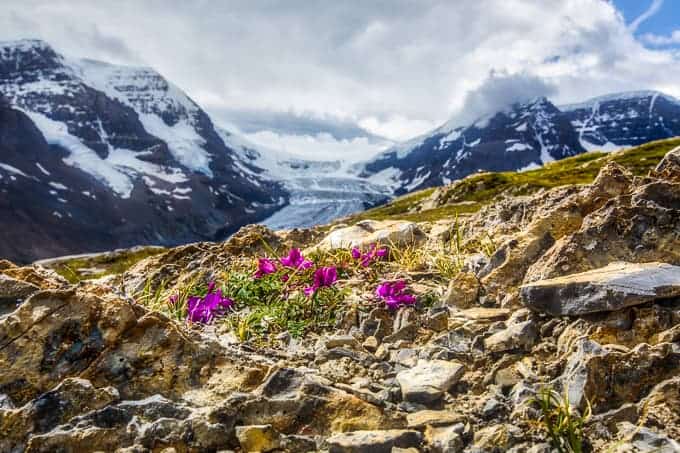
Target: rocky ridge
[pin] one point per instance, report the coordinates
(526, 135)
(92, 367)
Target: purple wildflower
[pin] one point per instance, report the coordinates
(324, 276)
(368, 257)
(265, 266)
(393, 293)
(295, 260)
(205, 309)
(173, 299)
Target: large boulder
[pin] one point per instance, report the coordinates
(58, 334)
(510, 263)
(613, 287)
(642, 227)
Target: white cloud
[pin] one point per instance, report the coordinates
(321, 146)
(498, 91)
(660, 40)
(394, 67)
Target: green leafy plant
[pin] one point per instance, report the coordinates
(276, 301)
(563, 423)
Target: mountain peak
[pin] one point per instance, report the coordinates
(620, 96)
(25, 44)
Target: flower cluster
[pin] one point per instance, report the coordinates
(294, 261)
(394, 294)
(366, 258)
(285, 282)
(323, 277)
(205, 309)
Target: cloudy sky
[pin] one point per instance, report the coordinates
(334, 78)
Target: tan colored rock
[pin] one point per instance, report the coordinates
(70, 398)
(492, 437)
(445, 439)
(639, 228)
(370, 344)
(5, 264)
(485, 314)
(258, 438)
(15, 290)
(463, 290)
(58, 334)
(424, 418)
(365, 233)
(36, 275)
(510, 263)
(669, 167)
(609, 379)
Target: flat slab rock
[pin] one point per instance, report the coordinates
(613, 287)
(373, 441)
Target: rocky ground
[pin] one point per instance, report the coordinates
(547, 322)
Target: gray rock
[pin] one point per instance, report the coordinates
(522, 335)
(576, 373)
(610, 288)
(645, 440)
(428, 380)
(407, 332)
(373, 441)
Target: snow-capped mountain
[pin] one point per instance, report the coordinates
(524, 136)
(97, 156)
(624, 119)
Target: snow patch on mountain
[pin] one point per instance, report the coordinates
(146, 91)
(118, 170)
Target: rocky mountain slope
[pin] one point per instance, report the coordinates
(544, 321)
(527, 135)
(94, 156)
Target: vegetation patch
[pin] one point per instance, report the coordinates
(99, 265)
